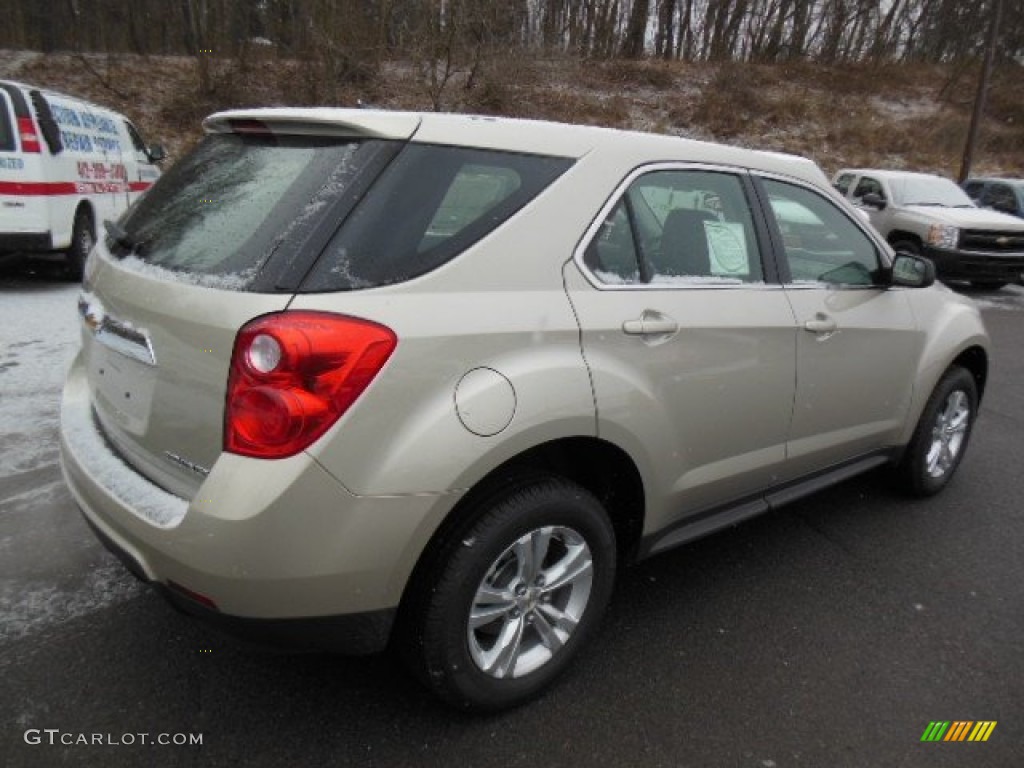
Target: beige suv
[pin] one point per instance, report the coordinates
(352, 377)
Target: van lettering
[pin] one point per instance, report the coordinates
(76, 142)
(65, 116)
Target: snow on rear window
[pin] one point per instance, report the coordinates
(231, 281)
(218, 215)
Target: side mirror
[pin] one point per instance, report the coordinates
(156, 153)
(912, 271)
(874, 200)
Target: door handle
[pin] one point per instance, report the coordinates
(821, 324)
(650, 323)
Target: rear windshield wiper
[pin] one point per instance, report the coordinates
(118, 234)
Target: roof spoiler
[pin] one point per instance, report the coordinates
(341, 123)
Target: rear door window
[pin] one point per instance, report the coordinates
(430, 205)
(678, 227)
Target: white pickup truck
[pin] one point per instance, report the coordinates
(931, 216)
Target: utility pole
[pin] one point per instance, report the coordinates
(979, 99)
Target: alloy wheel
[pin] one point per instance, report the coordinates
(530, 602)
(948, 433)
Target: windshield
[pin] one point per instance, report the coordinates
(929, 190)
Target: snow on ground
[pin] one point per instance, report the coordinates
(51, 569)
(38, 338)
(35, 606)
(1009, 298)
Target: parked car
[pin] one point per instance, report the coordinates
(1003, 195)
(65, 165)
(931, 216)
(357, 377)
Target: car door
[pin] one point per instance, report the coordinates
(689, 339)
(857, 342)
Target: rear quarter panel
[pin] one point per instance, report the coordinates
(404, 434)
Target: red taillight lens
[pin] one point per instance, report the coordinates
(29, 137)
(294, 374)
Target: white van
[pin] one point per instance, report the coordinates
(65, 166)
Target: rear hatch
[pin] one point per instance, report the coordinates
(224, 237)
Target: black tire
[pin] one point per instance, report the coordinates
(942, 434)
(83, 237)
(483, 569)
(988, 285)
(907, 246)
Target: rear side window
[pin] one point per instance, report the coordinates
(6, 126)
(431, 204)
(220, 213)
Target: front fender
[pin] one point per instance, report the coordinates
(953, 325)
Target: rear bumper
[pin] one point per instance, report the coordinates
(355, 634)
(274, 550)
(977, 265)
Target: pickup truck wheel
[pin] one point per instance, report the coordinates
(942, 433)
(82, 240)
(987, 285)
(515, 596)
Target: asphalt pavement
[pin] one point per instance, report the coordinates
(831, 633)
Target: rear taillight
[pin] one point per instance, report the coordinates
(29, 137)
(294, 374)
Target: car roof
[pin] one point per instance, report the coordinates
(516, 135)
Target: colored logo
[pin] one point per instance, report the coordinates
(958, 730)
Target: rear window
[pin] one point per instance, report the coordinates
(239, 201)
(430, 205)
(6, 126)
(218, 215)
